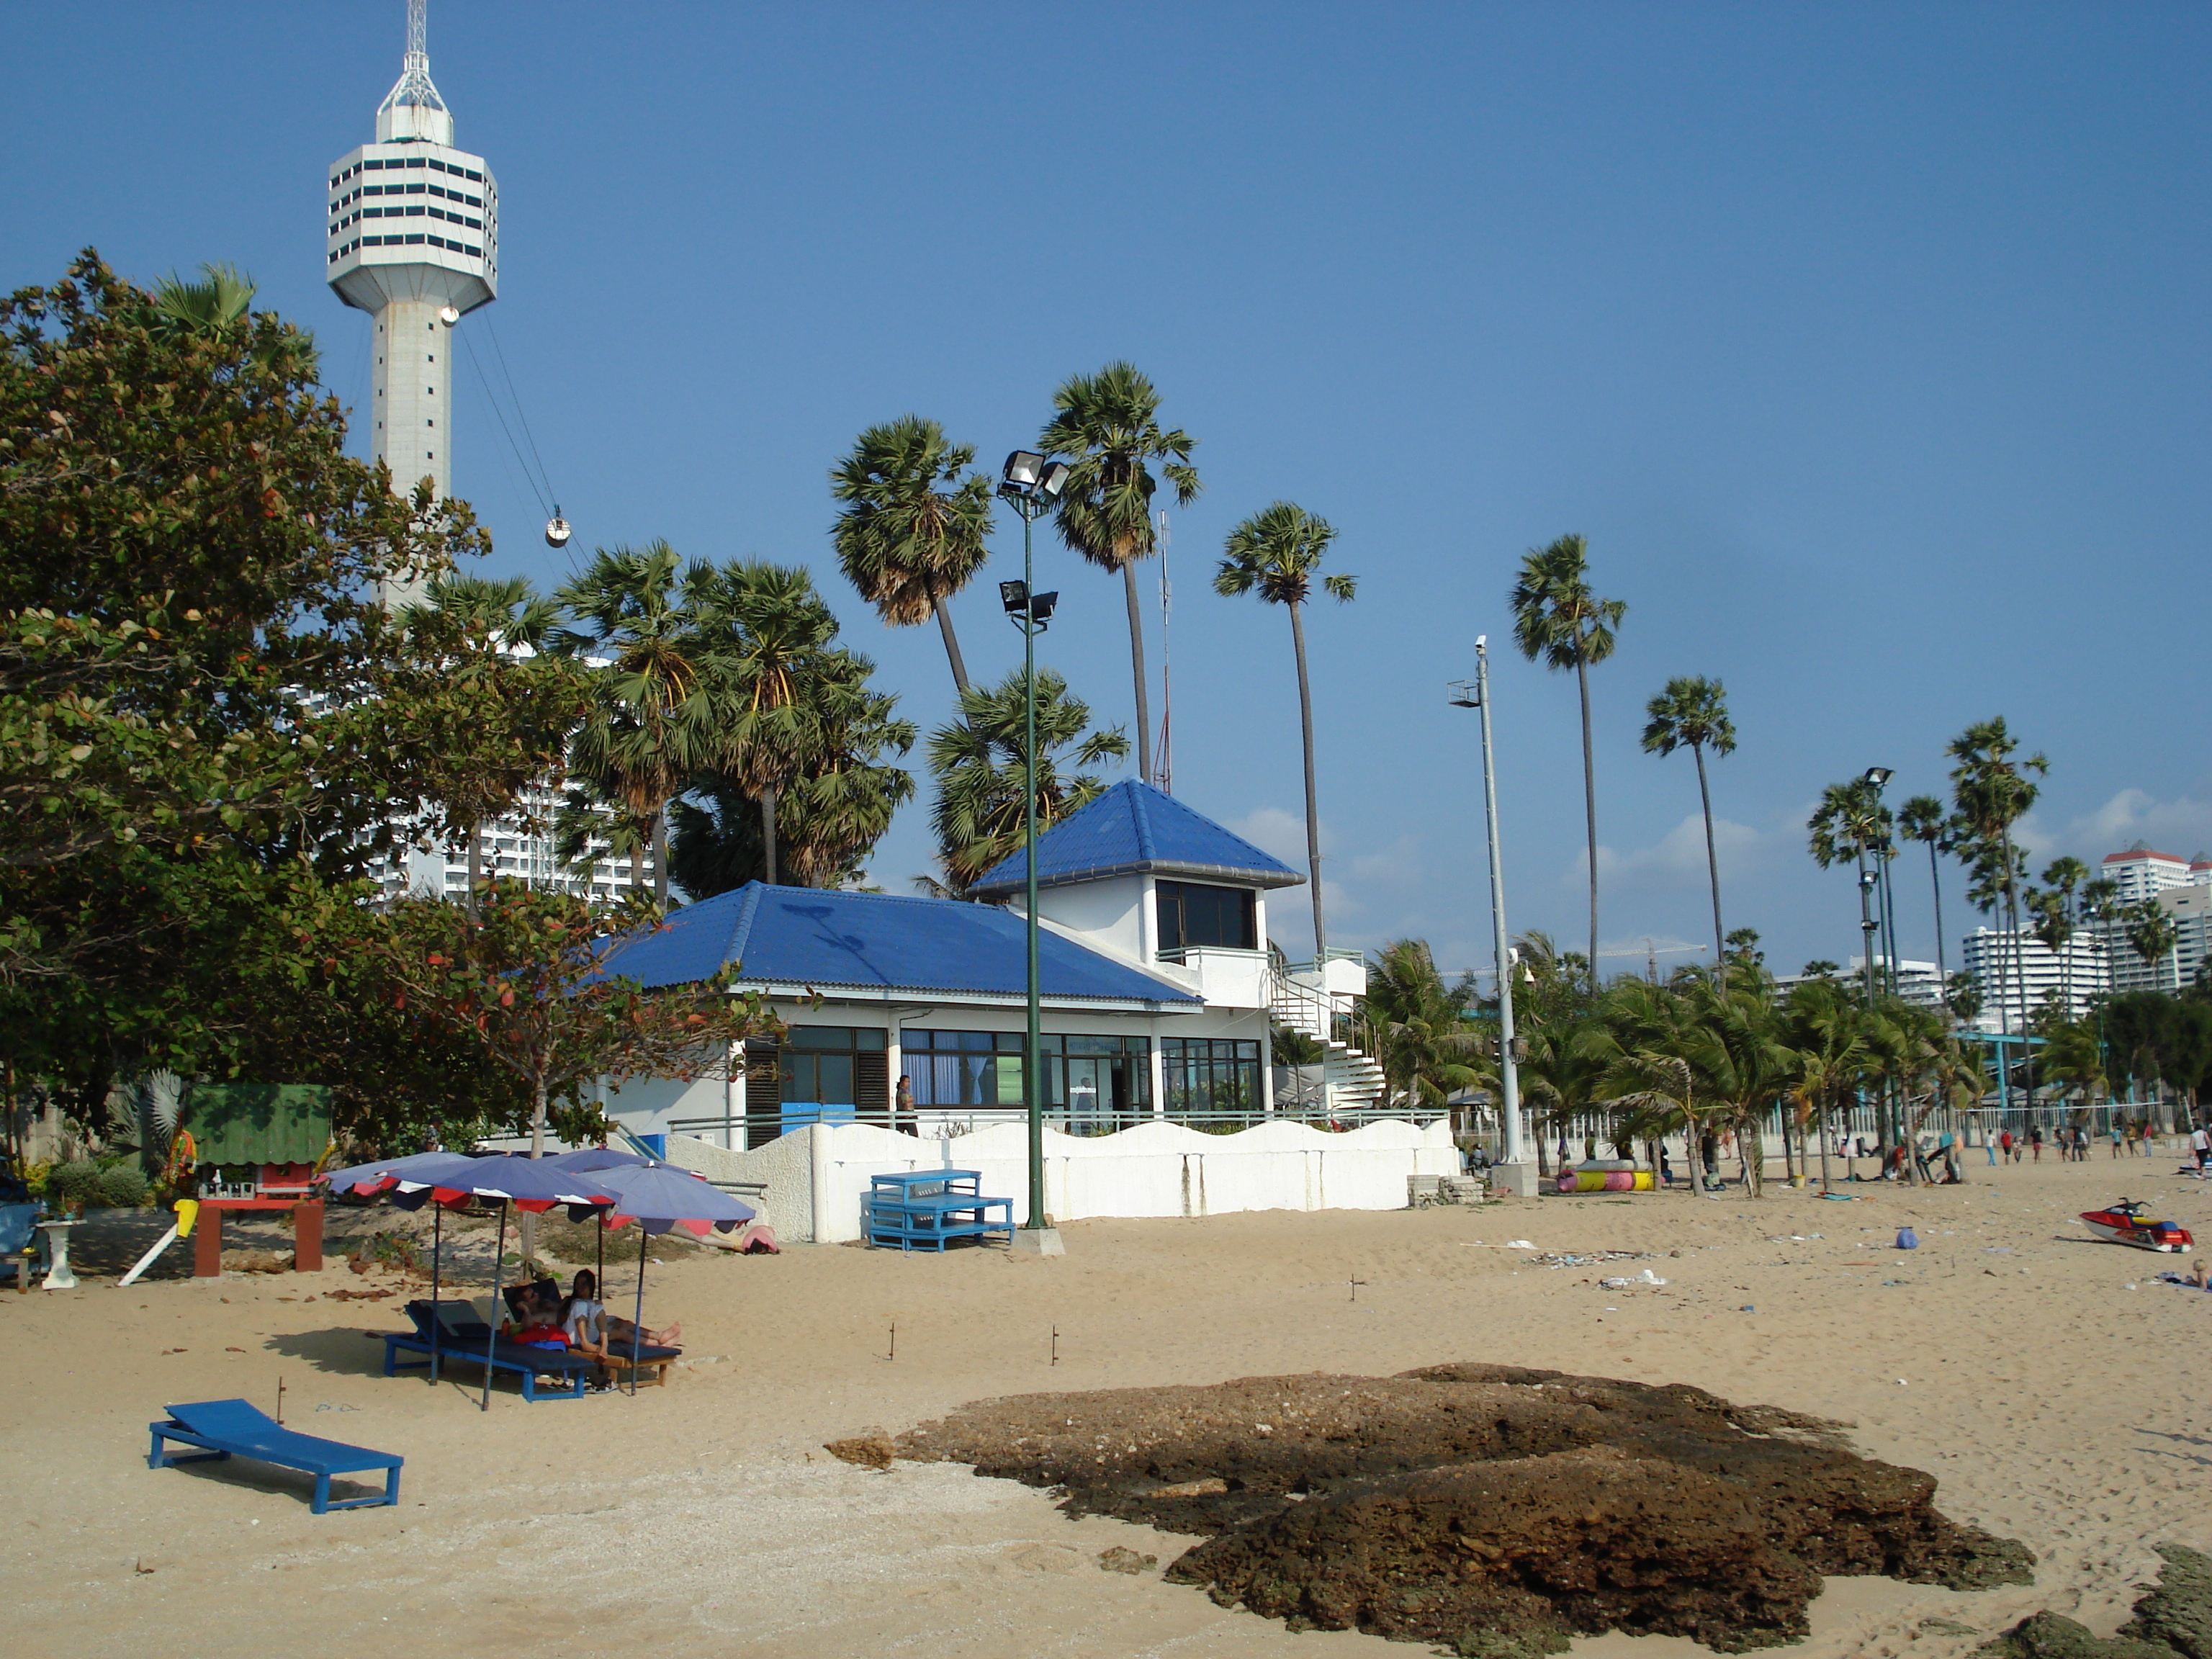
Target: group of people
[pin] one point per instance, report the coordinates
(2072, 1142)
(579, 1322)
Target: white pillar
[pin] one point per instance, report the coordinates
(412, 390)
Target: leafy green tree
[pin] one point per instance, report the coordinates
(914, 529)
(1552, 1001)
(1557, 617)
(529, 976)
(978, 764)
(1823, 1025)
(219, 305)
(1691, 713)
(1277, 553)
(2152, 935)
(1852, 822)
(1107, 425)
(651, 727)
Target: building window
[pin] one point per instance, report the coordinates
(1210, 1077)
(1092, 1084)
(1192, 914)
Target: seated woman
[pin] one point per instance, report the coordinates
(592, 1329)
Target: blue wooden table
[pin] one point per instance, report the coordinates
(923, 1209)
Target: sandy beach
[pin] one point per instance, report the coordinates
(2047, 1381)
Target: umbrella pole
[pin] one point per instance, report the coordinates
(491, 1342)
(637, 1322)
(437, 1225)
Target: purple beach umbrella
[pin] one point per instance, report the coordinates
(660, 1197)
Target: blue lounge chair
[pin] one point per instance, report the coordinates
(18, 1240)
(464, 1344)
(225, 1428)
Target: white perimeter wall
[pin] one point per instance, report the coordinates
(815, 1176)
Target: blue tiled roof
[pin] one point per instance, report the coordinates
(806, 936)
(1132, 829)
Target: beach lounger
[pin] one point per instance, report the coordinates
(463, 1344)
(227, 1428)
(18, 1235)
(649, 1358)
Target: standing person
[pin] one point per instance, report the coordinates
(2035, 1142)
(2005, 1141)
(2200, 1144)
(2116, 1140)
(902, 1105)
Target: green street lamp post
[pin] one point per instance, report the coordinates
(1030, 486)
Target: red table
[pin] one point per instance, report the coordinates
(306, 1232)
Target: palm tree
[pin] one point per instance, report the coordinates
(1849, 821)
(1824, 1028)
(498, 617)
(1644, 1048)
(978, 817)
(1431, 1048)
(1923, 819)
(2152, 932)
(1693, 714)
(1557, 617)
(1275, 553)
(650, 730)
(906, 543)
(1990, 790)
(766, 642)
(219, 307)
(1108, 426)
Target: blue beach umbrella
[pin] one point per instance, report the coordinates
(660, 1197)
(391, 1177)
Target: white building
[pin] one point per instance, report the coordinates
(413, 239)
(2013, 983)
(518, 847)
(1920, 983)
(2141, 873)
(2188, 907)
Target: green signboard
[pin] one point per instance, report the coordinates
(258, 1122)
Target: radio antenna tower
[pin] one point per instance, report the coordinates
(1163, 765)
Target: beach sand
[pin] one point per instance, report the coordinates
(2007, 1356)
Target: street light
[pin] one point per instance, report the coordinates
(1031, 485)
(1475, 694)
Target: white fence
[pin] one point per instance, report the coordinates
(815, 1176)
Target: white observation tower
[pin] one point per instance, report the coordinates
(414, 240)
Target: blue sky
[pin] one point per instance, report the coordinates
(1868, 344)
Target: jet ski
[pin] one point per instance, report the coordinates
(2125, 1224)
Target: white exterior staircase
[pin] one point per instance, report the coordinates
(1301, 1000)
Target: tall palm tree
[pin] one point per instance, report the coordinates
(1851, 821)
(2057, 910)
(1107, 428)
(1990, 790)
(650, 730)
(1923, 819)
(766, 641)
(2153, 934)
(1277, 553)
(1556, 617)
(500, 615)
(1693, 714)
(1824, 1027)
(978, 763)
(913, 533)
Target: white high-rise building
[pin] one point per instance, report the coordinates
(2013, 985)
(414, 240)
(2189, 908)
(2141, 873)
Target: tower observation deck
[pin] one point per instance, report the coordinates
(414, 240)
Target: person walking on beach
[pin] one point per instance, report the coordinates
(2200, 1144)
(2004, 1141)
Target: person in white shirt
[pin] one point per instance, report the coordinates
(593, 1329)
(2201, 1144)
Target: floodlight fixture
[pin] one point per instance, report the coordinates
(1878, 775)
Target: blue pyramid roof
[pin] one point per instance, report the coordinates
(811, 936)
(1134, 828)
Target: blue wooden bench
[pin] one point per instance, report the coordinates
(926, 1209)
(227, 1428)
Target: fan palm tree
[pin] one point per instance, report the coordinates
(499, 616)
(650, 728)
(768, 646)
(1990, 790)
(219, 305)
(1644, 1050)
(1557, 617)
(1107, 426)
(1277, 553)
(2153, 934)
(1825, 1028)
(1923, 819)
(978, 817)
(1693, 714)
(913, 530)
